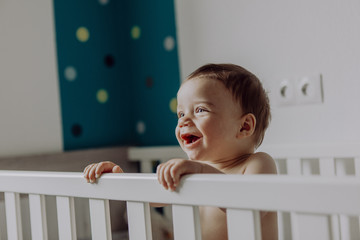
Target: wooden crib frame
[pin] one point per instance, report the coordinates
(321, 197)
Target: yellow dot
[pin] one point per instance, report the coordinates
(135, 32)
(102, 96)
(173, 105)
(82, 34)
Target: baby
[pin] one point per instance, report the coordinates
(223, 112)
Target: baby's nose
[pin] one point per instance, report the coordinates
(184, 121)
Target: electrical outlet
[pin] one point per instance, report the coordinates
(309, 90)
(284, 93)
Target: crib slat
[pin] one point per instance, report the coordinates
(146, 166)
(66, 218)
(357, 173)
(294, 166)
(2, 219)
(139, 221)
(349, 227)
(13, 215)
(312, 226)
(327, 166)
(295, 228)
(243, 224)
(38, 216)
(100, 219)
(357, 166)
(186, 220)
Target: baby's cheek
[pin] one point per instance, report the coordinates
(177, 133)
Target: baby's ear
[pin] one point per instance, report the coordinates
(248, 124)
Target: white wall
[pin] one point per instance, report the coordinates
(274, 39)
(283, 39)
(29, 97)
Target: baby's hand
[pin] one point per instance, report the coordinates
(169, 173)
(93, 171)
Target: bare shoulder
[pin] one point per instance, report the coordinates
(260, 163)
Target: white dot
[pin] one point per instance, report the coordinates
(104, 2)
(169, 43)
(70, 73)
(140, 127)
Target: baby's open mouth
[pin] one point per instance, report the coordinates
(189, 138)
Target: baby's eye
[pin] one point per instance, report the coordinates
(181, 114)
(200, 110)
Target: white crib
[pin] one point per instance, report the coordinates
(309, 207)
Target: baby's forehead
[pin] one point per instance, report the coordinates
(204, 88)
(209, 84)
(204, 81)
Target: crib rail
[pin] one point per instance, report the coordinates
(243, 196)
(320, 159)
(205, 189)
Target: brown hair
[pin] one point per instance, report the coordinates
(246, 89)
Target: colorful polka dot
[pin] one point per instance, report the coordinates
(135, 32)
(149, 82)
(173, 105)
(70, 73)
(169, 43)
(82, 34)
(76, 130)
(95, 68)
(102, 96)
(140, 127)
(109, 60)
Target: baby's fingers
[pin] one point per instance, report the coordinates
(164, 176)
(86, 170)
(168, 178)
(160, 175)
(100, 168)
(117, 169)
(105, 167)
(175, 175)
(89, 172)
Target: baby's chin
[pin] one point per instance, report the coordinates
(194, 154)
(195, 157)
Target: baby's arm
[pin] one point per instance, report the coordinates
(261, 163)
(170, 172)
(94, 170)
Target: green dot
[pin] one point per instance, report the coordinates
(102, 96)
(82, 34)
(135, 32)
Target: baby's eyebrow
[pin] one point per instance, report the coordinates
(205, 102)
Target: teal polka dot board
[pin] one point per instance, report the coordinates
(118, 72)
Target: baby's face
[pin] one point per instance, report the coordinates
(209, 120)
